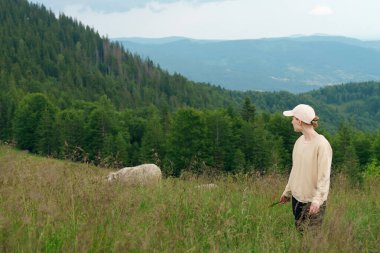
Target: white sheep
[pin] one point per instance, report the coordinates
(145, 174)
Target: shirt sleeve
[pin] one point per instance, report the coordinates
(324, 170)
(287, 192)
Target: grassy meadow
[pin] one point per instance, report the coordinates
(49, 205)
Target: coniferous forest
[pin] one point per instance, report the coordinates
(69, 93)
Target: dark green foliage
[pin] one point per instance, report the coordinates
(47, 135)
(187, 140)
(71, 123)
(8, 104)
(285, 136)
(352, 167)
(343, 145)
(376, 147)
(362, 145)
(345, 154)
(153, 141)
(35, 125)
(261, 147)
(248, 111)
(133, 123)
(102, 130)
(238, 161)
(357, 102)
(220, 139)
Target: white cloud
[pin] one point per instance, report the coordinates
(321, 10)
(199, 19)
(109, 6)
(227, 19)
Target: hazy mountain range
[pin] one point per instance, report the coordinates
(295, 64)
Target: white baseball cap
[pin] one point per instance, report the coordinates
(303, 112)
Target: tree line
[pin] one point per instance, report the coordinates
(188, 139)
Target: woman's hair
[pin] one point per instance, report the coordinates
(314, 122)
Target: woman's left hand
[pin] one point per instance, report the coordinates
(314, 208)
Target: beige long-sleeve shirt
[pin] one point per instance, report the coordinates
(309, 180)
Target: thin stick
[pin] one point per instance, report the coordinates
(275, 203)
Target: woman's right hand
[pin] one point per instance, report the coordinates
(284, 199)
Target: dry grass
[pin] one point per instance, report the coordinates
(57, 206)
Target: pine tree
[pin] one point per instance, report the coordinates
(261, 148)
(187, 147)
(72, 125)
(247, 145)
(153, 144)
(345, 157)
(238, 161)
(341, 144)
(362, 145)
(48, 134)
(102, 125)
(219, 138)
(8, 105)
(34, 117)
(376, 147)
(121, 148)
(282, 128)
(248, 110)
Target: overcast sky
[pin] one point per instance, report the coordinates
(224, 19)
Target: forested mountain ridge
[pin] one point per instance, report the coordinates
(67, 60)
(69, 93)
(358, 103)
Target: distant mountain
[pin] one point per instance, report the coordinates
(295, 64)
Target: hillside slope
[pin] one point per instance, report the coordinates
(49, 205)
(68, 60)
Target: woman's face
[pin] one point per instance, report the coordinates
(297, 124)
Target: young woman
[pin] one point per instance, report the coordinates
(309, 180)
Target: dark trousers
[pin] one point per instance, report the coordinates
(302, 217)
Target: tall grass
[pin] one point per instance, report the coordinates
(57, 206)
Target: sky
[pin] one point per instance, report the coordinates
(224, 19)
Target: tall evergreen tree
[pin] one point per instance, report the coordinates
(283, 130)
(187, 147)
(72, 125)
(238, 163)
(248, 111)
(48, 135)
(34, 117)
(342, 144)
(376, 147)
(261, 148)
(8, 105)
(219, 138)
(153, 142)
(362, 145)
(102, 125)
